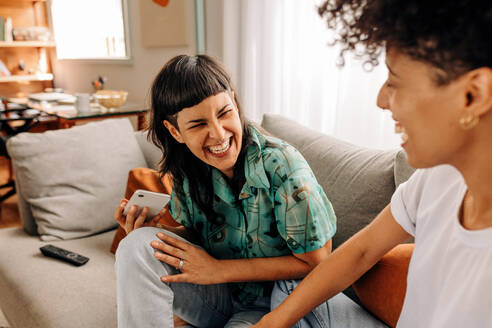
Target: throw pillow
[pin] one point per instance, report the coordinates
(71, 179)
(151, 152)
(382, 289)
(147, 179)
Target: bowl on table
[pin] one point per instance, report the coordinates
(110, 98)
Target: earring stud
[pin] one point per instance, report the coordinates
(469, 121)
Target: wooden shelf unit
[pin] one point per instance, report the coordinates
(35, 55)
(24, 78)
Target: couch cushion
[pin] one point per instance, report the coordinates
(73, 179)
(358, 181)
(403, 170)
(151, 152)
(37, 291)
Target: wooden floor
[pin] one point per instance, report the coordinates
(9, 212)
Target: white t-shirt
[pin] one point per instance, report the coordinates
(449, 282)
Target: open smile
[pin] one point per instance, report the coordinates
(220, 150)
(399, 129)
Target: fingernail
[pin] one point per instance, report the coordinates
(160, 235)
(154, 244)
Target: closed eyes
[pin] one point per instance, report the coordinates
(222, 114)
(197, 125)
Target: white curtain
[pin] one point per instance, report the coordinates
(277, 54)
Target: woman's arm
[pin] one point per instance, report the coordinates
(350, 261)
(201, 268)
(273, 268)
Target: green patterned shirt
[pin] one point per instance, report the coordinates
(280, 210)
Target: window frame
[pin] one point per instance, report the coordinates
(128, 59)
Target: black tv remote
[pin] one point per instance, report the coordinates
(64, 255)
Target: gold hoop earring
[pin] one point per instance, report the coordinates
(469, 121)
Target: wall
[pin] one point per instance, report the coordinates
(136, 78)
(214, 28)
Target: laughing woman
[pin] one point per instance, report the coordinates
(251, 210)
(439, 91)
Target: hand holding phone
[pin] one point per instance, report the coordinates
(155, 201)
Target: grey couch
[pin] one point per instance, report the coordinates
(40, 292)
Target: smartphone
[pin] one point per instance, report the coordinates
(155, 201)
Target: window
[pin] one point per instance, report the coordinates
(91, 29)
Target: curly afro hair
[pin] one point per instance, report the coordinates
(453, 36)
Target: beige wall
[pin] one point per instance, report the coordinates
(214, 28)
(136, 78)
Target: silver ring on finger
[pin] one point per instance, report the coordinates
(180, 265)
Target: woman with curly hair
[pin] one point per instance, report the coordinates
(439, 91)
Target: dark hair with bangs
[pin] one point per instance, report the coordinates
(183, 82)
(452, 36)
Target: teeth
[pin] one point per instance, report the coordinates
(401, 130)
(217, 149)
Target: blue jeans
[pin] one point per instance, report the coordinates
(339, 311)
(145, 301)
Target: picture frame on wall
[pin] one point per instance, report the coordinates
(163, 23)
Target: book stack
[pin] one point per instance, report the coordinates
(5, 29)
